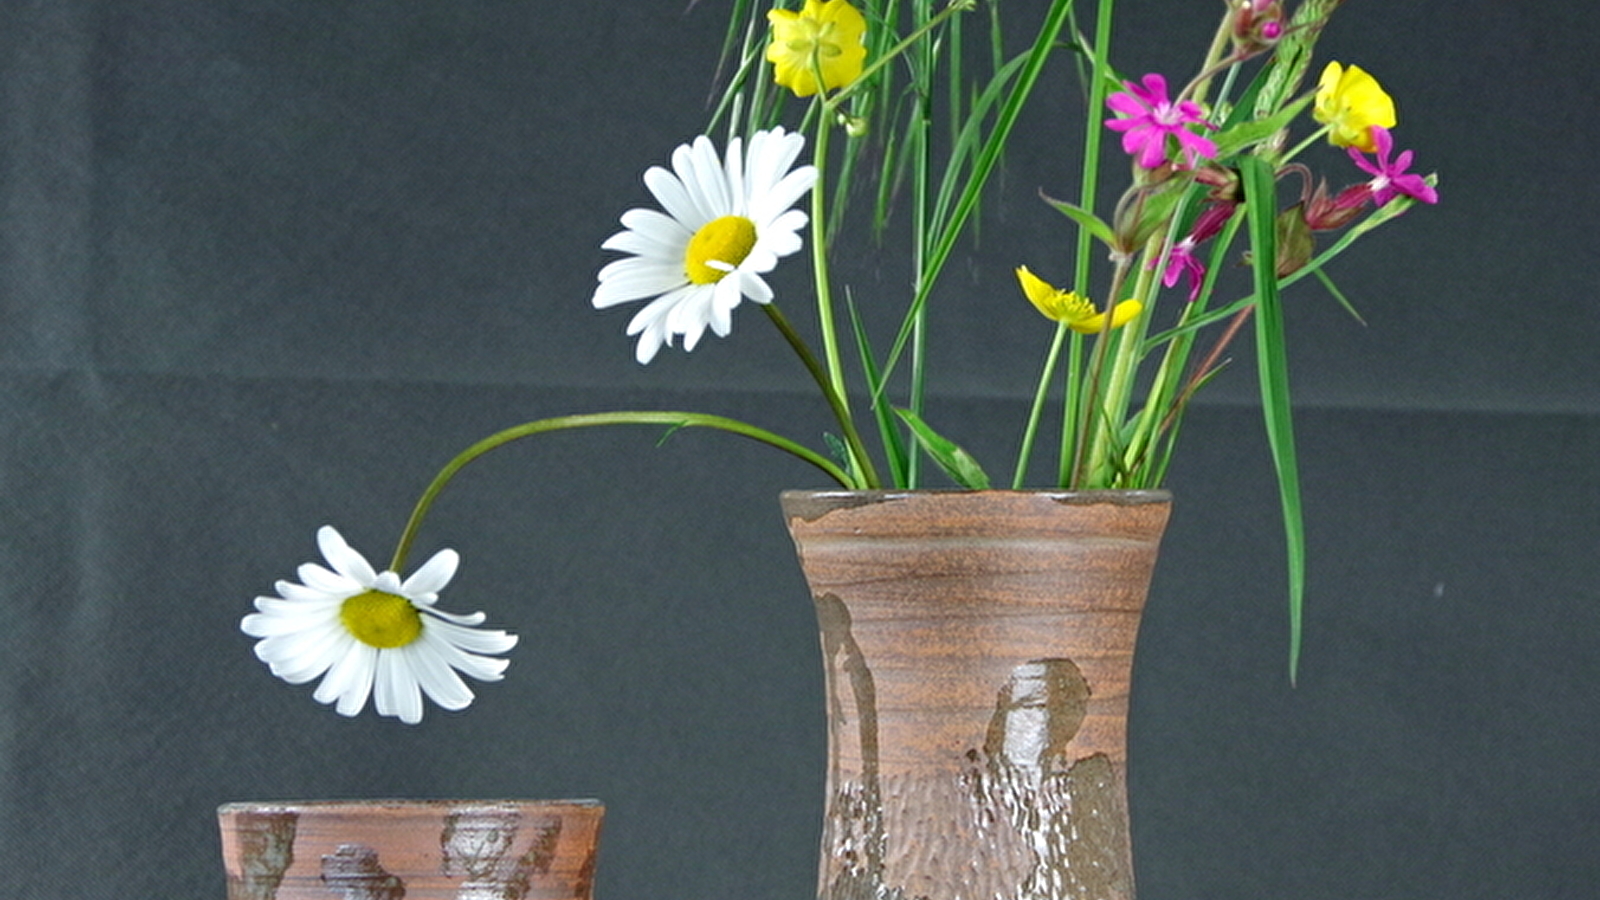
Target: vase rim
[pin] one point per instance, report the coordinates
(812, 505)
(1126, 497)
(402, 804)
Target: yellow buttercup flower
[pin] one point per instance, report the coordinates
(1351, 102)
(825, 35)
(1072, 309)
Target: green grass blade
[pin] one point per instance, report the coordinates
(983, 165)
(1260, 191)
(1338, 295)
(894, 447)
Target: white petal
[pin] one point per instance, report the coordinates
(300, 658)
(636, 266)
(458, 618)
(395, 689)
(659, 227)
(434, 574)
(302, 597)
(345, 561)
(437, 679)
(705, 180)
(689, 317)
(733, 177)
(639, 281)
(771, 159)
(674, 198)
(320, 579)
(773, 201)
(651, 339)
(784, 231)
(473, 640)
(483, 668)
(755, 287)
(349, 679)
(271, 625)
(641, 244)
(387, 582)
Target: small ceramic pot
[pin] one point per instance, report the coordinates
(417, 849)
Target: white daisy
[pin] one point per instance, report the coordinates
(374, 634)
(726, 223)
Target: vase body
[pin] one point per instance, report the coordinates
(416, 849)
(978, 648)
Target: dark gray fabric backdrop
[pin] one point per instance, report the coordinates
(266, 265)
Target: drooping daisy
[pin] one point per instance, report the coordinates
(726, 223)
(372, 633)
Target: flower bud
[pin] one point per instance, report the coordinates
(1324, 213)
(1257, 26)
(1294, 240)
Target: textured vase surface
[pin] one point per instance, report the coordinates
(415, 849)
(978, 648)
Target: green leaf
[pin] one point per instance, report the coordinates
(1261, 202)
(1243, 136)
(1338, 295)
(1096, 225)
(957, 463)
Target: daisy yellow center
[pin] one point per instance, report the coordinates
(718, 247)
(381, 620)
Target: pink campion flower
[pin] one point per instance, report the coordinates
(1181, 259)
(1147, 118)
(1391, 178)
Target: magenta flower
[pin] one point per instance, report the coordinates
(1147, 118)
(1391, 178)
(1181, 259)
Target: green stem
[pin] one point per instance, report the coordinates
(1091, 143)
(673, 420)
(819, 255)
(1119, 390)
(1091, 407)
(860, 460)
(1301, 147)
(1037, 409)
(1075, 430)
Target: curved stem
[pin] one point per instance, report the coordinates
(673, 420)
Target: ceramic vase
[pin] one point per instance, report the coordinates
(416, 849)
(978, 649)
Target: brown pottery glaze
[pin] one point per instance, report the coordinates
(416, 849)
(978, 648)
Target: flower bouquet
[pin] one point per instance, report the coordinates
(885, 120)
